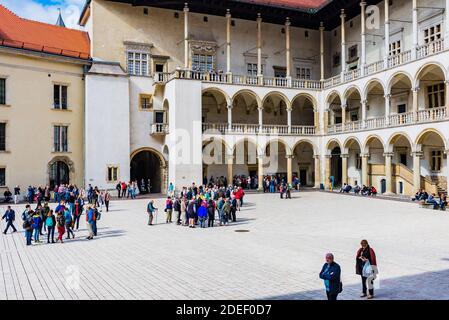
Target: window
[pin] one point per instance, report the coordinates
(353, 53)
(402, 108)
(303, 73)
(403, 159)
(436, 161)
(112, 174)
(2, 136)
(252, 69)
(2, 177)
(203, 62)
(336, 59)
(432, 34)
(60, 138)
(436, 95)
(138, 63)
(146, 101)
(358, 162)
(159, 67)
(2, 91)
(280, 72)
(159, 117)
(60, 97)
(395, 48)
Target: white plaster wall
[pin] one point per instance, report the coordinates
(106, 128)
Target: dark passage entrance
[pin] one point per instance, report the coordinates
(59, 174)
(146, 170)
(336, 166)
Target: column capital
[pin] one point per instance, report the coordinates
(228, 13)
(260, 109)
(344, 155)
(388, 154)
(322, 26)
(415, 89)
(259, 17)
(327, 156)
(317, 157)
(365, 155)
(289, 156)
(363, 4)
(446, 82)
(287, 22)
(418, 154)
(342, 14)
(289, 108)
(260, 156)
(387, 96)
(186, 7)
(344, 106)
(365, 101)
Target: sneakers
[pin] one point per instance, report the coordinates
(363, 295)
(370, 297)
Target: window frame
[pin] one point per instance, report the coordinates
(436, 95)
(431, 35)
(150, 103)
(3, 124)
(131, 63)
(3, 91)
(110, 173)
(58, 145)
(62, 100)
(4, 177)
(436, 161)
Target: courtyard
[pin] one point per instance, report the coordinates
(278, 258)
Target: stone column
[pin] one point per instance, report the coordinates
(260, 171)
(364, 104)
(289, 119)
(289, 168)
(287, 50)
(415, 29)
(322, 50)
(186, 36)
(363, 36)
(230, 162)
(417, 169)
(260, 109)
(228, 45)
(365, 176)
(387, 108)
(446, 94)
(387, 33)
(327, 171)
(259, 49)
(344, 167)
(318, 171)
(230, 117)
(343, 44)
(325, 121)
(343, 114)
(415, 92)
(316, 119)
(388, 172)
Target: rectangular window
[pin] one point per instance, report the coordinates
(2, 177)
(395, 48)
(403, 159)
(336, 60)
(203, 62)
(436, 161)
(159, 117)
(2, 136)
(252, 69)
(2, 91)
(112, 174)
(432, 34)
(436, 95)
(60, 138)
(358, 162)
(353, 53)
(138, 63)
(402, 108)
(60, 97)
(303, 73)
(145, 102)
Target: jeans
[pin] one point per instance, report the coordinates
(368, 287)
(210, 221)
(202, 222)
(50, 233)
(69, 230)
(36, 234)
(94, 227)
(150, 218)
(10, 224)
(331, 296)
(28, 236)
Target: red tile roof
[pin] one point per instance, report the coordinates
(37, 36)
(292, 4)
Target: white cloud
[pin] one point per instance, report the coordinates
(48, 13)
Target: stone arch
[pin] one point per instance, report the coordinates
(66, 160)
(304, 108)
(245, 105)
(429, 65)
(331, 144)
(350, 90)
(395, 137)
(371, 138)
(308, 96)
(350, 141)
(424, 133)
(215, 90)
(333, 94)
(277, 93)
(249, 92)
(163, 168)
(314, 147)
(370, 85)
(396, 75)
(278, 140)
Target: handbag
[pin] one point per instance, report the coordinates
(367, 270)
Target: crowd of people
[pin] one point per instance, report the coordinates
(365, 266)
(424, 198)
(200, 205)
(42, 221)
(362, 190)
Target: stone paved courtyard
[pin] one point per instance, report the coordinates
(279, 258)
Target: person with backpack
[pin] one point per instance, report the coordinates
(169, 209)
(60, 225)
(331, 273)
(226, 212)
(202, 215)
(107, 199)
(36, 225)
(150, 211)
(90, 217)
(210, 213)
(366, 267)
(27, 218)
(191, 213)
(232, 213)
(68, 223)
(50, 222)
(79, 205)
(97, 217)
(10, 217)
(44, 213)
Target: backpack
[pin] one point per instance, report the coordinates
(97, 215)
(49, 222)
(26, 225)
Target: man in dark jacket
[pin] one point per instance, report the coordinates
(330, 273)
(9, 216)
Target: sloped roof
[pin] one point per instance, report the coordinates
(37, 36)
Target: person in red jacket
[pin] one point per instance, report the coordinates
(366, 254)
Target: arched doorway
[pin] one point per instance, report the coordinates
(59, 174)
(146, 169)
(336, 166)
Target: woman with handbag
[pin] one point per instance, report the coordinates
(366, 267)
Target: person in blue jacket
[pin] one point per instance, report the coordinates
(331, 273)
(10, 217)
(202, 215)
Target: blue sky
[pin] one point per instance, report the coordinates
(47, 10)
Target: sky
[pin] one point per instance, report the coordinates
(47, 10)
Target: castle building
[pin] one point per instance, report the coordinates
(176, 92)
